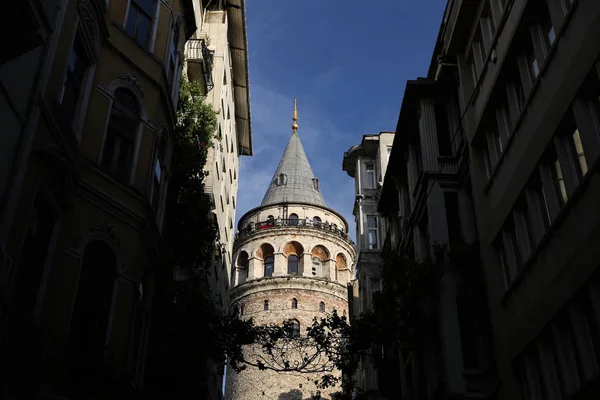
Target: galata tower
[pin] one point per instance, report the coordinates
(293, 261)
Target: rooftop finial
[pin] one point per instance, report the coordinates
(295, 117)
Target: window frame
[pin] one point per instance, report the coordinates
(152, 19)
(375, 229)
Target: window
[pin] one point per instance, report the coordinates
(532, 62)
(443, 134)
(317, 267)
(269, 266)
(316, 183)
(295, 325)
(158, 173)
(539, 195)
(316, 221)
(521, 215)
(293, 219)
(488, 29)
(266, 305)
(370, 169)
(478, 53)
(242, 309)
(72, 86)
(271, 220)
(578, 153)
(514, 241)
(173, 56)
(516, 93)
(294, 303)
(322, 307)
(281, 179)
(548, 32)
(293, 264)
(487, 162)
(372, 232)
(559, 180)
(501, 254)
(117, 156)
(139, 19)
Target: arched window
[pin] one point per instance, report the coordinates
(293, 264)
(271, 220)
(294, 303)
(322, 307)
(266, 305)
(317, 267)
(316, 221)
(117, 156)
(269, 266)
(295, 325)
(293, 219)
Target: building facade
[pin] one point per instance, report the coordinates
(84, 177)
(367, 164)
(293, 261)
(217, 55)
(529, 99)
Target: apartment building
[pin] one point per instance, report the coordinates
(89, 94)
(529, 102)
(427, 206)
(217, 55)
(366, 163)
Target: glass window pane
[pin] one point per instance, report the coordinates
(560, 181)
(147, 6)
(372, 222)
(143, 30)
(579, 151)
(130, 25)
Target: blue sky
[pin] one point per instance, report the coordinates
(347, 62)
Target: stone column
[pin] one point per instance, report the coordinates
(280, 265)
(306, 264)
(254, 265)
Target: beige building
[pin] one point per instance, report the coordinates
(87, 102)
(367, 163)
(529, 88)
(293, 260)
(217, 56)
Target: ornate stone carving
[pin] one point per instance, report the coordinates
(106, 229)
(90, 28)
(129, 77)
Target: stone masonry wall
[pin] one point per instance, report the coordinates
(254, 384)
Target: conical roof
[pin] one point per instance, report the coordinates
(294, 181)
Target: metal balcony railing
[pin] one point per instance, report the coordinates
(196, 50)
(252, 228)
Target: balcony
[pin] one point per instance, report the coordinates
(254, 228)
(199, 61)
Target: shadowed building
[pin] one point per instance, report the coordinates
(293, 260)
(367, 163)
(87, 105)
(529, 100)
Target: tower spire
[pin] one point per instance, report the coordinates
(295, 118)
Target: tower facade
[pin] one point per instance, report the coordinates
(293, 260)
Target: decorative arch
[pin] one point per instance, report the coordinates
(294, 252)
(293, 247)
(320, 252)
(92, 27)
(242, 264)
(131, 82)
(106, 233)
(340, 261)
(267, 253)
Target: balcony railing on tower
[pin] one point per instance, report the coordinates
(200, 60)
(274, 223)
